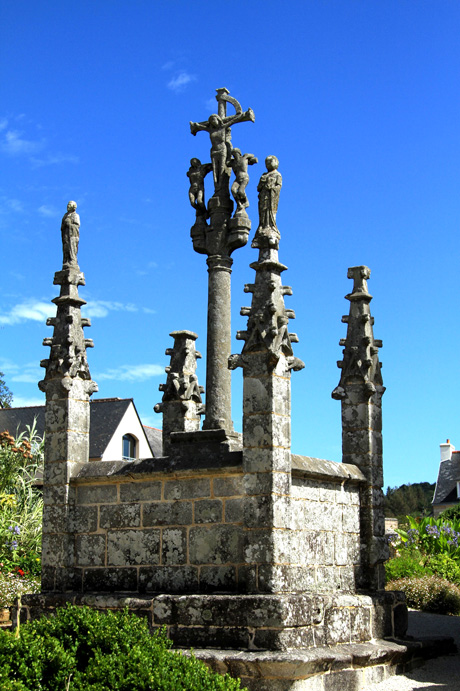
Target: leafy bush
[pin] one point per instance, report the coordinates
(429, 593)
(409, 563)
(452, 514)
(81, 649)
(444, 566)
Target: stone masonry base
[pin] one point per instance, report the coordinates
(309, 642)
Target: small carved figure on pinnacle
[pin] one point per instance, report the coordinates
(218, 127)
(239, 164)
(70, 236)
(196, 174)
(269, 187)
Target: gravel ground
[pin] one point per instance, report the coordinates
(441, 674)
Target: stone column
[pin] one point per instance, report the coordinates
(267, 359)
(68, 387)
(360, 390)
(181, 404)
(218, 239)
(218, 376)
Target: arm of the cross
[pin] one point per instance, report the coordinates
(199, 127)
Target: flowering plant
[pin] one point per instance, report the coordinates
(431, 536)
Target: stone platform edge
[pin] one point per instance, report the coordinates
(329, 668)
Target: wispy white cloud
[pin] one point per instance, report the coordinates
(28, 310)
(38, 310)
(29, 373)
(3, 124)
(51, 160)
(48, 211)
(14, 144)
(101, 308)
(168, 65)
(131, 373)
(180, 81)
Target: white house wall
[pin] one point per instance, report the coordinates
(129, 425)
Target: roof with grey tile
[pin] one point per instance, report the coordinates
(105, 416)
(155, 440)
(449, 475)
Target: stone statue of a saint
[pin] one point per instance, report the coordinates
(220, 135)
(70, 232)
(239, 163)
(269, 187)
(196, 174)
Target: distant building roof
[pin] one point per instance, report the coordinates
(105, 416)
(155, 440)
(449, 475)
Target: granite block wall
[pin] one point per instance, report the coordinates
(186, 531)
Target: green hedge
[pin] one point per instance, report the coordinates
(81, 649)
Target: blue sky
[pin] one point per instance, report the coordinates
(359, 99)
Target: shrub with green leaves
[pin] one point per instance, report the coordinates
(429, 593)
(409, 563)
(452, 514)
(444, 566)
(81, 649)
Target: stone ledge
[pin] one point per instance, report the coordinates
(338, 668)
(153, 467)
(319, 469)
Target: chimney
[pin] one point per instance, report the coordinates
(446, 450)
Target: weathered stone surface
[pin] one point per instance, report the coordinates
(129, 547)
(208, 511)
(187, 489)
(90, 550)
(97, 494)
(228, 486)
(173, 546)
(140, 491)
(120, 516)
(167, 513)
(217, 579)
(215, 545)
(171, 579)
(110, 580)
(234, 510)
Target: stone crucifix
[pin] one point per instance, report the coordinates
(218, 237)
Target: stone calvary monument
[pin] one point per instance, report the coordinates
(269, 564)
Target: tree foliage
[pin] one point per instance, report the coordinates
(409, 500)
(6, 397)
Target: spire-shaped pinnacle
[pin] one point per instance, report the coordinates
(267, 329)
(360, 364)
(67, 361)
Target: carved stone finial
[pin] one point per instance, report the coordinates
(269, 187)
(181, 404)
(70, 232)
(360, 275)
(360, 365)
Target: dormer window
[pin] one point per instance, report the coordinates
(458, 490)
(129, 447)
